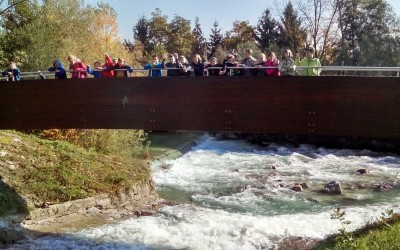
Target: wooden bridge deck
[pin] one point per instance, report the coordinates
(328, 106)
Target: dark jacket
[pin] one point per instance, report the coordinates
(120, 70)
(230, 72)
(198, 68)
(58, 67)
(13, 74)
(249, 63)
(172, 68)
(214, 72)
(184, 69)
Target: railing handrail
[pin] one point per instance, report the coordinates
(323, 68)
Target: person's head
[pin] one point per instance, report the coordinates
(115, 60)
(12, 65)
(262, 57)
(248, 52)
(154, 59)
(72, 59)
(309, 52)
(213, 61)
(271, 56)
(196, 58)
(120, 61)
(230, 58)
(287, 53)
(57, 64)
(171, 58)
(96, 64)
(182, 59)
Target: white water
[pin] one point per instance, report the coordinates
(231, 199)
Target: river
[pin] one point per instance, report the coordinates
(235, 195)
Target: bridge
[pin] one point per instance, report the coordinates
(367, 107)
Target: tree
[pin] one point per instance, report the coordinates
(63, 27)
(199, 44)
(158, 30)
(320, 17)
(14, 41)
(180, 37)
(267, 31)
(7, 5)
(141, 33)
(370, 33)
(215, 39)
(293, 36)
(241, 33)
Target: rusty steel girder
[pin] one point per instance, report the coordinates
(327, 105)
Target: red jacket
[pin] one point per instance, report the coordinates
(78, 66)
(272, 72)
(107, 73)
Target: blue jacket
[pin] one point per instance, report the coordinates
(95, 73)
(58, 67)
(14, 76)
(154, 70)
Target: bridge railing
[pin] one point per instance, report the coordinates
(340, 70)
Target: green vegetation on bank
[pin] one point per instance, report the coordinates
(51, 171)
(383, 234)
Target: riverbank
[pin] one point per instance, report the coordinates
(139, 200)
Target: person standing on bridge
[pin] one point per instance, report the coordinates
(249, 62)
(171, 65)
(108, 64)
(12, 72)
(154, 66)
(262, 59)
(184, 66)
(272, 63)
(77, 68)
(214, 68)
(58, 67)
(121, 69)
(230, 66)
(287, 66)
(309, 61)
(197, 65)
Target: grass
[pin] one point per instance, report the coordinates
(376, 236)
(57, 171)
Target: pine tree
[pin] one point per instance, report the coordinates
(293, 36)
(199, 44)
(141, 33)
(215, 39)
(267, 31)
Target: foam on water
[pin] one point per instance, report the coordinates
(232, 198)
(192, 227)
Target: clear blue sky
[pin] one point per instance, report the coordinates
(225, 12)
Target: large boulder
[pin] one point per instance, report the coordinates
(333, 187)
(362, 171)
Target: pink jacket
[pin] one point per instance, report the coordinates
(272, 72)
(78, 66)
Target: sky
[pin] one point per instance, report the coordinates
(225, 12)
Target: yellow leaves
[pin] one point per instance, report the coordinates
(70, 135)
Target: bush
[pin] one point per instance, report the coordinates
(120, 142)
